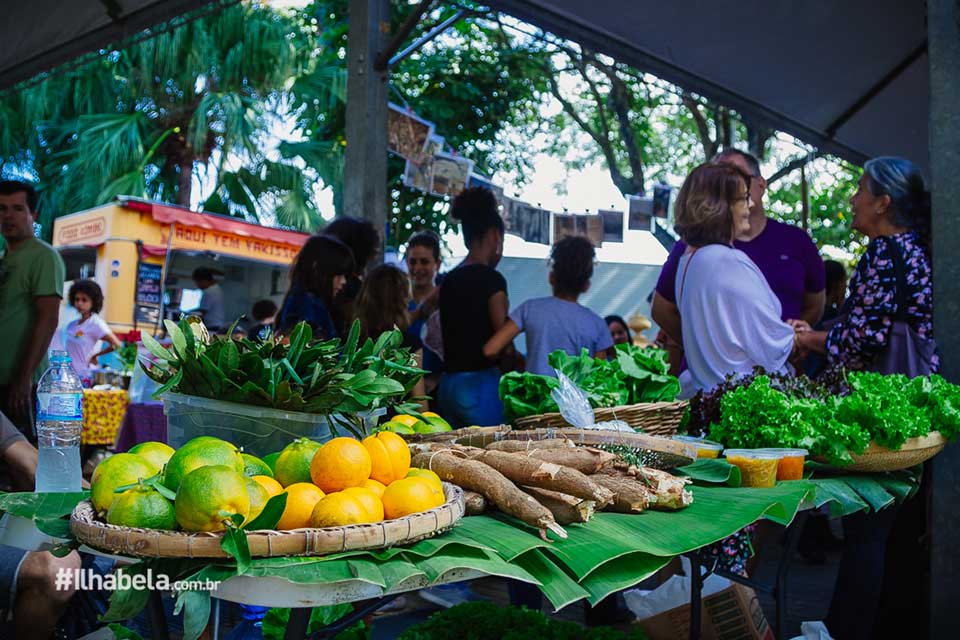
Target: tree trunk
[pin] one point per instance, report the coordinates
(757, 138)
(185, 180)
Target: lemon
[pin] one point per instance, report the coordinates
(369, 499)
(142, 507)
(293, 464)
(254, 466)
(208, 496)
(427, 474)
(114, 472)
(156, 453)
(258, 496)
(377, 487)
(200, 452)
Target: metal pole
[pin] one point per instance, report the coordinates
(943, 35)
(427, 37)
(365, 171)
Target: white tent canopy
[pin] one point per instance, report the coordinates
(849, 77)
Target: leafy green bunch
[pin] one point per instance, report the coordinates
(886, 409)
(636, 375)
(295, 374)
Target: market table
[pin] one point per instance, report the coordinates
(610, 553)
(144, 422)
(103, 412)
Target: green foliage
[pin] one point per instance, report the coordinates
(475, 82)
(887, 409)
(299, 374)
(275, 622)
(636, 375)
(488, 621)
(144, 119)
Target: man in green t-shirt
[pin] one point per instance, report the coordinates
(31, 287)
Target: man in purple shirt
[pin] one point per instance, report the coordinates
(786, 255)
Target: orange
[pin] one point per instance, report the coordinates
(389, 456)
(293, 463)
(258, 499)
(409, 495)
(406, 419)
(369, 500)
(340, 509)
(114, 472)
(272, 486)
(209, 495)
(377, 487)
(340, 463)
(302, 497)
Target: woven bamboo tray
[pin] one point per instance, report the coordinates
(655, 451)
(653, 418)
(150, 543)
(913, 452)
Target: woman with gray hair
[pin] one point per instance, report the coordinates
(893, 282)
(731, 317)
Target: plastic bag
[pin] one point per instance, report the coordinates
(576, 409)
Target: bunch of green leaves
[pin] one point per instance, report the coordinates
(488, 621)
(296, 374)
(601, 379)
(635, 375)
(887, 409)
(646, 373)
(276, 620)
(526, 394)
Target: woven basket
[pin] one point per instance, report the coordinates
(151, 543)
(913, 452)
(653, 418)
(656, 451)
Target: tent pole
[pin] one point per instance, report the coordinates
(943, 32)
(365, 170)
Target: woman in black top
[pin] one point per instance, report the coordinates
(473, 305)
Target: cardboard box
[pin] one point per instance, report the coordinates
(733, 613)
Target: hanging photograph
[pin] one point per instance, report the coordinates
(578, 224)
(612, 225)
(532, 223)
(450, 174)
(420, 176)
(594, 229)
(507, 206)
(640, 213)
(407, 134)
(661, 201)
(564, 224)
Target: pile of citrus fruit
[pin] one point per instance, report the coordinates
(407, 424)
(206, 482)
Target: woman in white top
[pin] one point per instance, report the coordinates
(730, 317)
(84, 334)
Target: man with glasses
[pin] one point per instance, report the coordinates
(31, 287)
(786, 255)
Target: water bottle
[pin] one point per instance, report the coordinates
(59, 423)
(251, 627)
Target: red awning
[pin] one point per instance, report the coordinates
(170, 214)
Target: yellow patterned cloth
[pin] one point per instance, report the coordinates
(103, 413)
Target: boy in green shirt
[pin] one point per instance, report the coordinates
(31, 287)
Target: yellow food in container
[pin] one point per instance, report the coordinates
(758, 468)
(791, 462)
(705, 448)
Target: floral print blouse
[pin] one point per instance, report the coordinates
(864, 331)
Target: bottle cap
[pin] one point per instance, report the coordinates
(58, 356)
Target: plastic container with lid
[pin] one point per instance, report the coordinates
(705, 448)
(758, 468)
(791, 463)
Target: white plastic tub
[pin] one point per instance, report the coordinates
(258, 430)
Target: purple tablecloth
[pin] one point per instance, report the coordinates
(143, 423)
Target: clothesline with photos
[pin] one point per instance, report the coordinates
(435, 168)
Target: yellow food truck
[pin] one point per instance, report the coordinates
(142, 255)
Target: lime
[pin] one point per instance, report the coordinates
(142, 507)
(208, 496)
(293, 465)
(157, 453)
(254, 466)
(114, 472)
(258, 495)
(200, 452)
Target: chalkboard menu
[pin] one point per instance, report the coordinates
(149, 293)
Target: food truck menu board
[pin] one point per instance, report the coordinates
(149, 293)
